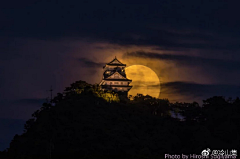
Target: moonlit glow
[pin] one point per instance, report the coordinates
(144, 81)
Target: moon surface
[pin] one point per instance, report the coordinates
(144, 81)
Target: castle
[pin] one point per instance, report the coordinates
(114, 77)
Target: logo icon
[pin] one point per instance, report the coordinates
(214, 152)
(221, 152)
(234, 152)
(206, 152)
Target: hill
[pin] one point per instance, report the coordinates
(88, 123)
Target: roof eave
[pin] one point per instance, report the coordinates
(115, 65)
(109, 79)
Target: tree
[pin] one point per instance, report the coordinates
(90, 123)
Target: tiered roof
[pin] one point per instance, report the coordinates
(115, 62)
(109, 73)
(122, 78)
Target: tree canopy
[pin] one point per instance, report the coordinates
(88, 123)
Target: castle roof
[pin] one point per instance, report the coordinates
(120, 76)
(108, 73)
(117, 80)
(115, 62)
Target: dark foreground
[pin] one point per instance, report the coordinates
(84, 125)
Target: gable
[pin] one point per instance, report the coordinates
(116, 75)
(115, 61)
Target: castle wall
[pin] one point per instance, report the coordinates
(115, 83)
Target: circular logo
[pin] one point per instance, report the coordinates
(205, 152)
(214, 152)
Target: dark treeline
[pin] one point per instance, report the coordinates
(88, 123)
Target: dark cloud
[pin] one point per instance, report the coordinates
(145, 85)
(33, 101)
(88, 63)
(198, 91)
(168, 24)
(189, 91)
(185, 60)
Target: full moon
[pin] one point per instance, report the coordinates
(144, 81)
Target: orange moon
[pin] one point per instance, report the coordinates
(144, 81)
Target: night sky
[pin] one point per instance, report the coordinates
(193, 46)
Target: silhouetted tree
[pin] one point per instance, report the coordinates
(87, 122)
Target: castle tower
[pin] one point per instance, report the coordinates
(114, 77)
